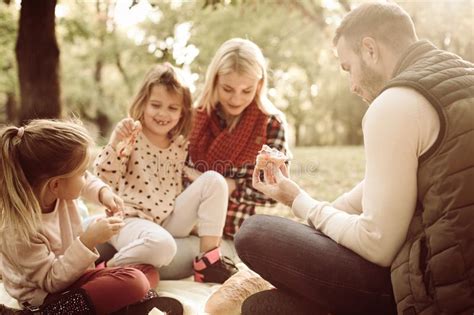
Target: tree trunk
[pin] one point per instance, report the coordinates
(37, 55)
(10, 106)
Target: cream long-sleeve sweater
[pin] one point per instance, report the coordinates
(148, 180)
(55, 258)
(373, 218)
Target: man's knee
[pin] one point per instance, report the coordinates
(246, 238)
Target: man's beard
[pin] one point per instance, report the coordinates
(371, 82)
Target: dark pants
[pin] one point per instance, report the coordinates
(300, 260)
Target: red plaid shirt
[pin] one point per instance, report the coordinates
(245, 198)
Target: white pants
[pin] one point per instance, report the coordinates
(203, 203)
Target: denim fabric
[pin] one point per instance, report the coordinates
(297, 258)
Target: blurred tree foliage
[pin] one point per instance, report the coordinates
(8, 75)
(108, 45)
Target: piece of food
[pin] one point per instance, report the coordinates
(267, 154)
(125, 146)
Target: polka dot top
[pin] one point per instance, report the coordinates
(148, 180)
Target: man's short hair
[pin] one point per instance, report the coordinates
(386, 22)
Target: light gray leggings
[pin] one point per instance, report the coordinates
(181, 266)
(202, 204)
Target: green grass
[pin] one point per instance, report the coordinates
(323, 172)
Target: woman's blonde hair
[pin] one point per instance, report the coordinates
(30, 156)
(169, 77)
(244, 57)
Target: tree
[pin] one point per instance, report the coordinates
(37, 55)
(8, 79)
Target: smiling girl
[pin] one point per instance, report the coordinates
(144, 162)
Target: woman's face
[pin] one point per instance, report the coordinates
(236, 91)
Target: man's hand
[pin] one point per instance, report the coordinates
(276, 183)
(111, 201)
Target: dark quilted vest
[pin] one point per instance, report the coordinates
(434, 271)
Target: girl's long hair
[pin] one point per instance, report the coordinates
(30, 157)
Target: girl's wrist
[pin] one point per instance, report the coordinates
(89, 243)
(101, 192)
(113, 144)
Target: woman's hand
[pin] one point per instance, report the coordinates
(232, 184)
(100, 231)
(123, 130)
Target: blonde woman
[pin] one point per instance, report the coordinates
(234, 118)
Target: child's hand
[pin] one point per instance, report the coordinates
(123, 130)
(111, 201)
(191, 173)
(100, 231)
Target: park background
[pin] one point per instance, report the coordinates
(86, 58)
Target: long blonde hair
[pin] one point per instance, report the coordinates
(169, 77)
(244, 57)
(30, 156)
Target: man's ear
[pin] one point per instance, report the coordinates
(370, 50)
